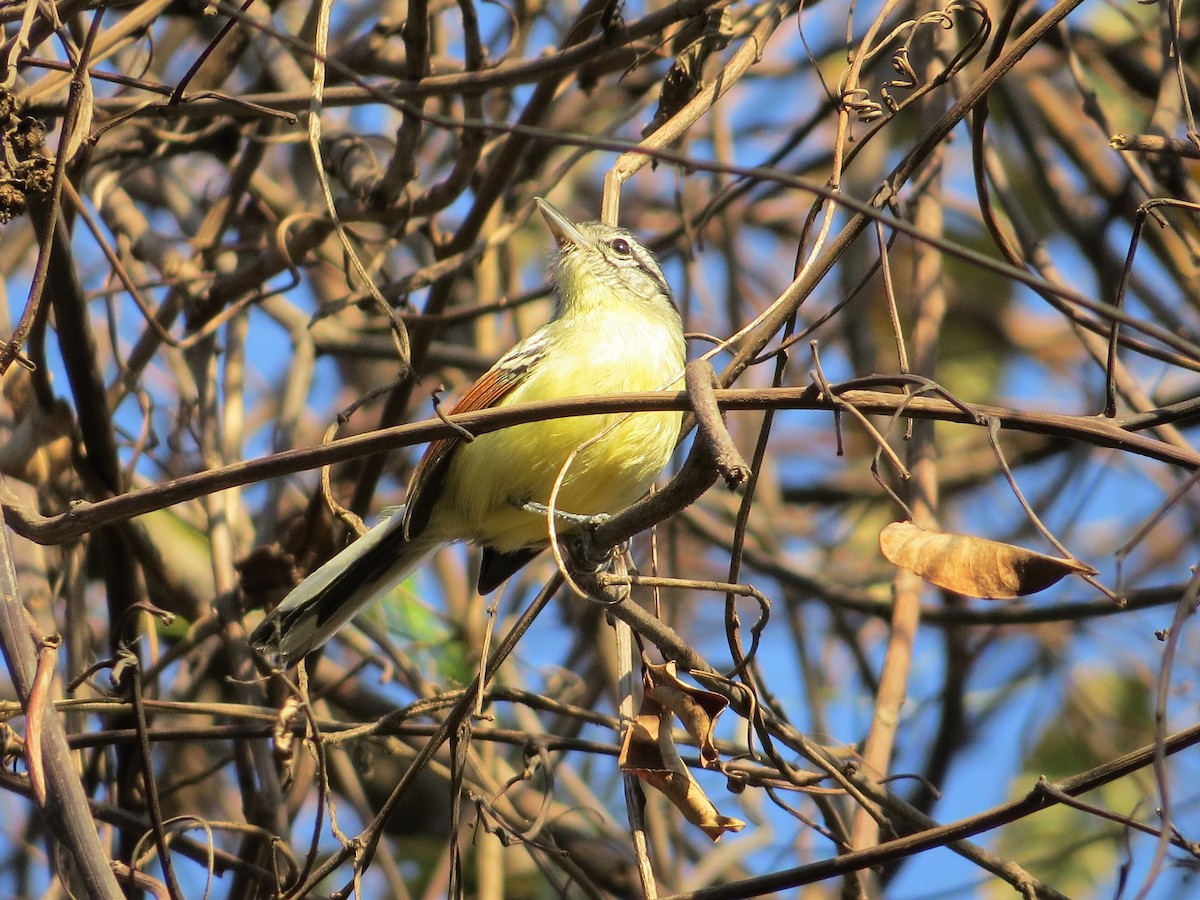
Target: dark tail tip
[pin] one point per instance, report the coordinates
(266, 640)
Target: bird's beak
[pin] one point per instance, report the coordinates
(563, 229)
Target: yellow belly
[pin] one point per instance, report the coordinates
(489, 478)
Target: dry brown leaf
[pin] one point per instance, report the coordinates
(649, 752)
(695, 43)
(35, 713)
(81, 126)
(284, 748)
(974, 566)
(696, 709)
(38, 449)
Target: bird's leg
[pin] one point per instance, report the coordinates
(565, 517)
(585, 555)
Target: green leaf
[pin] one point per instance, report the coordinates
(1103, 715)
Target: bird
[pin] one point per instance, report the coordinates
(615, 328)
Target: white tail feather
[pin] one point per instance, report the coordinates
(337, 591)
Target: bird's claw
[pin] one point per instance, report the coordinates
(588, 559)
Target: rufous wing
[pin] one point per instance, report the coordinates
(425, 486)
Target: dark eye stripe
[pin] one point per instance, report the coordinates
(647, 264)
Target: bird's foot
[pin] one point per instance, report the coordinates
(587, 559)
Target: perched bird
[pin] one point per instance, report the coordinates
(615, 328)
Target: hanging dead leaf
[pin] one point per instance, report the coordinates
(77, 129)
(694, 44)
(285, 748)
(696, 709)
(35, 713)
(973, 566)
(38, 447)
(648, 752)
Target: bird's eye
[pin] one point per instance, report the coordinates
(621, 247)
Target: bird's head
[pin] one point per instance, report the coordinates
(599, 265)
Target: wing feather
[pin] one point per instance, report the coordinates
(487, 392)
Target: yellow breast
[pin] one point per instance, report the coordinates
(617, 457)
